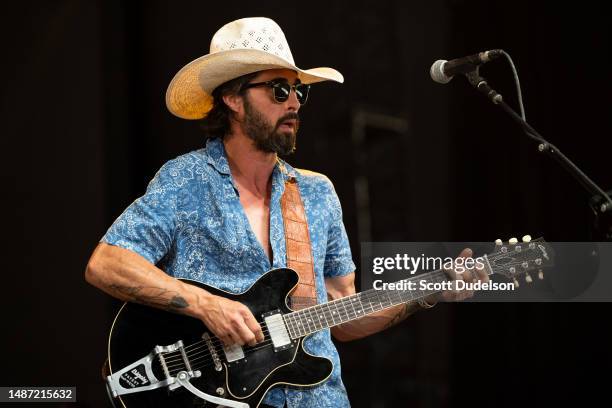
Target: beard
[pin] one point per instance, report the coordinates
(268, 138)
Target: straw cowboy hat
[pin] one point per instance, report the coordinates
(238, 48)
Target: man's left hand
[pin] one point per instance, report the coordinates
(471, 275)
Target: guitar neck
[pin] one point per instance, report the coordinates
(508, 260)
(339, 311)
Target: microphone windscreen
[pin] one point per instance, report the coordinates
(437, 73)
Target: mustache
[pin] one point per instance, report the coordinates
(289, 116)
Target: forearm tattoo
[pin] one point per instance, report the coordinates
(404, 312)
(151, 296)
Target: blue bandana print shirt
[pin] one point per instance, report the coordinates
(191, 224)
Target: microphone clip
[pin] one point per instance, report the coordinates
(483, 86)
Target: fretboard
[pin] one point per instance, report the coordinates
(508, 260)
(335, 312)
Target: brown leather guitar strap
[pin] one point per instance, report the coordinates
(299, 249)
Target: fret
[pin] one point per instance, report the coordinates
(334, 312)
(286, 319)
(300, 324)
(323, 306)
(379, 297)
(372, 298)
(392, 295)
(388, 298)
(348, 304)
(347, 311)
(352, 301)
(380, 300)
(306, 319)
(305, 322)
(313, 315)
(362, 311)
(294, 325)
(291, 318)
(330, 309)
(317, 312)
(340, 310)
(369, 295)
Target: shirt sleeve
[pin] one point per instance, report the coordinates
(338, 257)
(147, 226)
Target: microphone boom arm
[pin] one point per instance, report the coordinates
(601, 198)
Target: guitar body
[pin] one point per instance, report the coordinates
(138, 329)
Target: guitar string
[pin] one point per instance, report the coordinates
(215, 343)
(310, 311)
(199, 350)
(197, 364)
(325, 313)
(320, 306)
(194, 362)
(178, 357)
(202, 352)
(397, 294)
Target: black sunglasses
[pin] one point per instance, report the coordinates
(282, 89)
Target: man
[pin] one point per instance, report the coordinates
(214, 215)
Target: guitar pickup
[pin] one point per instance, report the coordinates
(278, 331)
(233, 353)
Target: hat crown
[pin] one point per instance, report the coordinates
(253, 33)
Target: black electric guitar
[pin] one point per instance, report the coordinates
(161, 359)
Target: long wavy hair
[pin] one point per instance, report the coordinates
(217, 122)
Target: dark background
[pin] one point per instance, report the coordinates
(84, 128)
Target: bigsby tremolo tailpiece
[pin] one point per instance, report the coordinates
(139, 377)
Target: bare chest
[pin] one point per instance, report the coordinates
(257, 210)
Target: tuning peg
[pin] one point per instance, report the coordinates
(513, 241)
(528, 278)
(516, 283)
(540, 274)
(527, 238)
(498, 242)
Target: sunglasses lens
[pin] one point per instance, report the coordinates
(301, 90)
(281, 91)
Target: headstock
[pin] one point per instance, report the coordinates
(514, 258)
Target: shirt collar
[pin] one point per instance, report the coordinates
(216, 155)
(218, 159)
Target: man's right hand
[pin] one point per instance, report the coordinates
(231, 321)
(128, 276)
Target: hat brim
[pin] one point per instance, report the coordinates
(189, 93)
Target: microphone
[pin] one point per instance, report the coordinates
(443, 71)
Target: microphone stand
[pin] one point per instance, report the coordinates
(600, 201)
